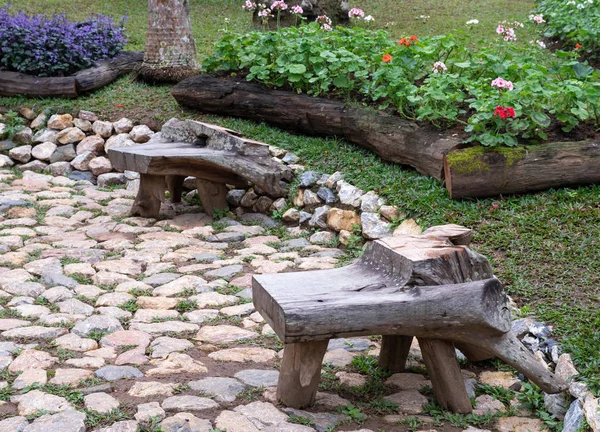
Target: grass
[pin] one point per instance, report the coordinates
(542, 246)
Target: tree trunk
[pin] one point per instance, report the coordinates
(170, 50)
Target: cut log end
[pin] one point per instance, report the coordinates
(157, 74)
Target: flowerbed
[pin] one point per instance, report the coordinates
(502, 93)
(43, 46)
(576, 23)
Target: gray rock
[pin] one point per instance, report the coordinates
(471, 386)
(141, 134)
(45, 135)
(159, 279)
(304, 217)
(123, 125)
(51, 279)
(34, 165)
(5, 161)
(373, 227)
(111, 179)
(322, 238)
(21, 154)
(574, 417)
(13, 424)
(319, 218)
(188, 403)
(290, 158)
(370, 202)
(556, 404)
(226, 272)
(263, 204)
(327, 195)
(43, 151)
(540, 330)
(294, 243)
(249, 198)
(234, 197)
(206, 257)
(349, 195)
(261, 219)
(114, 373)
(322, 421)
(520, 327)
(7, 145)
(185, 422)
(258, 377)
(23, 137)
(83, 175)
(64, 153)
(331, 253)
(308, 179)
(311, 199)
(82, 161)
(59, 169)
(223, 389)
(97, 323)
(349, 344)
(122, 426)
(66, 421)
(118, 141)
(227, 237)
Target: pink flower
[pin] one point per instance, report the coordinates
(439, 66)
(500, 29)
(356, 13)
(501, 83)
(538, 19)
(265, 13)
(297, 10)
(326, 27)
(279, 5)
(249, 5)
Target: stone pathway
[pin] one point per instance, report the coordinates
(116, 324)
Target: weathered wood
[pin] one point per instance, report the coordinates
(394, 352)
(150, 195)
(212, 195)
(474, 353)
(300, 373)
(105, 71)
(392, 138)
(444, 372)
(175, 187)
(480, 172)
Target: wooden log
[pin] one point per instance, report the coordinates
(474, 353)
(444, 372)
(105, 71)
(212, 195)
(300, 373)
(150, 195)
(175, 187)
(481, 172)
(392, 138)
(394, 352)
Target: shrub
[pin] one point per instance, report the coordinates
(43, 46)
(501, 92)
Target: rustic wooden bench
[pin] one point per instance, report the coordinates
(216, 156)
(431, 286)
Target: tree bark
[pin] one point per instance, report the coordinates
(170, 50)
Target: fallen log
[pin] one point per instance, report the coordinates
(105, 72)
(392, 138)
(482, 172)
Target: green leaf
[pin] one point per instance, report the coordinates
(582, 70)
(341, 81)
(297, 68)
(541, 119)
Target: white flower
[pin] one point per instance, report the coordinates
(472, 22)
(369, 18)
(438, 67)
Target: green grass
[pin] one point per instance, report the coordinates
(543, 246)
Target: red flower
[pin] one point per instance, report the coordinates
(578, 46)
(510, 112)
(404, 41)
(414, 38)
(386, 58)
(504, 112)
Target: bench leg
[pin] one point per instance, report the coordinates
(212, 195)
(446, 379)
(149, 196)
(175, 187)
(300, 373)
(394, 352)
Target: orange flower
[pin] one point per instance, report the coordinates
(386, 58)
(414, 38)
(403, 41)
(578, 46)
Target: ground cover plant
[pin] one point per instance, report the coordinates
(53, 46)
(543, 246)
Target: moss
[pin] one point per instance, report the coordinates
(470, 160)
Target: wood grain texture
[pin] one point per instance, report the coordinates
(392, 138)
(105, 72)
(300, 373)
(444, 372)
(175, 187)
(150, 195)
(523, 169)
(212, 195)
(394, 352)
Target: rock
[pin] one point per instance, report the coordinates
(348, 194)
(83, 176)
(263, 204)
(409, 401)
(224, 334)
(260, 218)
(87, 115)
(591, 409)
(123, 125)
(21, 154)
(188, 403)
(23, 136)
(43, 151)
(157, 329)
(52, 279)
(408, 227)
(321, 421)
(102, 128)
(118, 141)
(338, 357)
(73, 342)
(28, 378)
(390, 213)
(35, 400)
(93, 143)
(244, 354)
(176, 363)
(182, 422)
(258, 377)
(100, 402)
(326, 195)
(373, 227)
(485, 404)
(34, 332)
(28, 113)
(574, 417)
(349, 379)
(34, 165)
(235, 196)
(226, 272)
(500, 379)
(232, 421)
(291, 216)
(60, 121)
(84, 125)
(520, 424)
(149, 411)
(290, 158)
(13, 424)
(323, 238)
(370, 202)
(45, 135)
(141, 134)
(70, 377)
(114, 373)
(311, 199)
(308, 179)
(5, 161)
(70, 135)
(338, 219)
(408, 381)
(97, 323)
(349, 344)
(73, 306)
(67, 421)
(111, 179)
(64, 153)
(99, 165)
(122, 426)
(565, 368)
(82, 161)
(319, 217)
(223, 389)
(151, 388)
(59, 169)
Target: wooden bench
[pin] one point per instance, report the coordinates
(214, 155)
(431, 286)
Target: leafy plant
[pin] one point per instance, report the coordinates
(54, 46)
(12, 122)
(353, 412)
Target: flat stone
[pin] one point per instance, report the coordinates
(179, 285)
(60, 121)
(114, 373)
(226, 272)
(338, 357)
(322, 238)
(213, 299)
(373, 227)
(73, 306)
(181, 422)
(52, 279)
(159, 279)
(126, 338)
(200, 316)
(258, 377)
(485, 404)
(322, 421)
(122, 426)
(67, 421)
(28, 378)
(163, 346)
(36, 400)
(408, 381)
(232, 421)
(244, 354)
(11, 323)
(149, 411)
(349, 379)
(176, 363)
(97, 323)
(520, 424)
(152, 388)
(188, 403)
(70, 377)
(13, 424)
(224, 334)
(34, 332)
(101, 402)
(223, 389)
(499, 379)
(349, 344)
(158, 329)
(238, 310)
(72, 342)
(409, 401)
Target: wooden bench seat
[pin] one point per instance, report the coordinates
(431, 286)
(214, 155)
